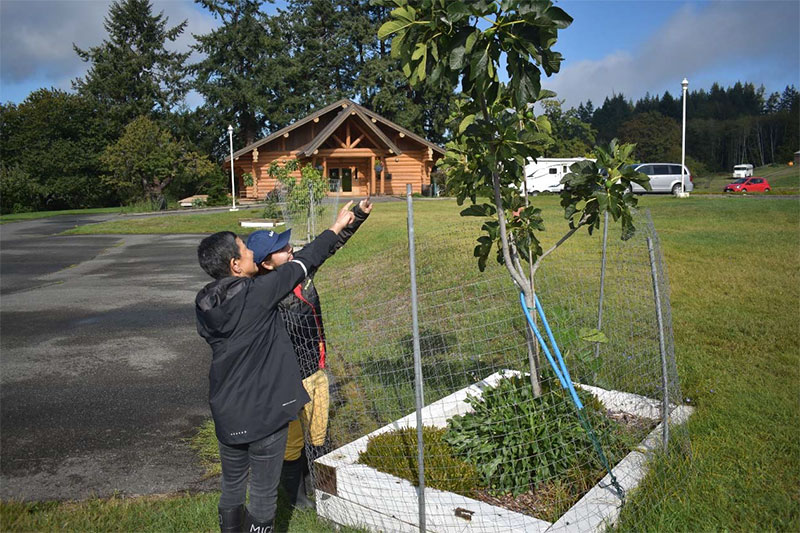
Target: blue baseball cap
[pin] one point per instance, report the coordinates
(264, 242)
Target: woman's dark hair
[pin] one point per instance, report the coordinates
(215, 253)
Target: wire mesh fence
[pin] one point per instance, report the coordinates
(497, 456)
(306, 211)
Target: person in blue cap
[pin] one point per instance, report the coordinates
(255, 385)
(302, 314)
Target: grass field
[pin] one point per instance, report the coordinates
(734, 269)
(46, 214)
(783, 179)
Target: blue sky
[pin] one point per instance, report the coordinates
(614, 46)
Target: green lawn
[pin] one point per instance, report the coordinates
(45, 214)
(734, 269)
(179, 223)
(782, 178)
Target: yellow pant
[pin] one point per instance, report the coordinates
(312, 419)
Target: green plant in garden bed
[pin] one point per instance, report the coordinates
(517, 441)
(395, 453)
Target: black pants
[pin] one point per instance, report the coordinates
(262, 459)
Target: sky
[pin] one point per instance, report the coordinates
(632, 47)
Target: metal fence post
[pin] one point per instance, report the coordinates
(602, 283)
(661, 346)
(417, 359)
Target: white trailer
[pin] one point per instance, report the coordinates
(743, 171)
(544, 174)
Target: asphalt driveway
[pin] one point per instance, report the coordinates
(102, 374)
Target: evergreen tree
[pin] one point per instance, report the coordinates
(571, 136)
(384, 88)
(607, 119)
(132, 73)
(245, 73)
(585, 112)
(326, 36)
(657, 137)
(789, 99)
(670, 107)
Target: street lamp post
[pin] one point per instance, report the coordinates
(684, 85)
(233, 180)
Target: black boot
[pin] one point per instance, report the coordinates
(251, 525)
(230, 520)
(293, 481)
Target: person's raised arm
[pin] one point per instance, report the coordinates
(344, 218)
(361, 211)
(278, 284)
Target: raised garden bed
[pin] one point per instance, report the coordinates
(355, 494)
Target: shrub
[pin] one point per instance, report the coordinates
(274, 203)
(516, 441)
(395, 453)
(217, 188)
(19, 193)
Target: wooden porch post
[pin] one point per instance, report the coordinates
(383, 175)
(372, 174)
(253, 173)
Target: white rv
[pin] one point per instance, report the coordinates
(544, 175)
(742, 171)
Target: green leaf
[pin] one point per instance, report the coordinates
(421, 67)
(404, 13)
(419, 50)
(477, 63)
(393, 26)
(559, 17)
(592, 335)
(457, 58)
(471, 39)
(482, 210)
(466, 121)
(457, 11)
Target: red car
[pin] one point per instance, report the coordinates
(751, 184)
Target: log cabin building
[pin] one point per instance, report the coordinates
(359, 151)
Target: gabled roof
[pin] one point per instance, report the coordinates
(348, 107)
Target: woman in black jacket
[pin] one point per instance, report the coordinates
(302, 315)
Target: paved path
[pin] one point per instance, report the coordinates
(102, 374)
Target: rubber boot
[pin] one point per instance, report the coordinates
(230, 519)
(293, 481)
(315, 452)
(251, 525)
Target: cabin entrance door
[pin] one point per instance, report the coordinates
(341, 178)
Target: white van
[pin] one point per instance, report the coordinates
(544, 175)
(743, 171)
(664, 177)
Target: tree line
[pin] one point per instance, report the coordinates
(124, 134)
(724, 126)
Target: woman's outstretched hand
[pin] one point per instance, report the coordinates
(344, 218)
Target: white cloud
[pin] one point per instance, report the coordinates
(36, 37)
(724, 42)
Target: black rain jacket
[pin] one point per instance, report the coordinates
(254, 381)
(302, 312)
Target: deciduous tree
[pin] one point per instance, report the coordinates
(147, 159)
(498, 133)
